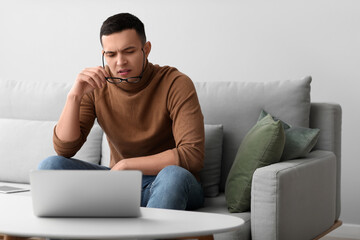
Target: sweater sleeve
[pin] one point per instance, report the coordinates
(87, 118)
(188, 124)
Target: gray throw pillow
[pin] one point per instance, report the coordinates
(299, 140)
(210, 174)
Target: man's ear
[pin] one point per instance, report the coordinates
(147, 48)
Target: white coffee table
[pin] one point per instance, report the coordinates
(17, 219)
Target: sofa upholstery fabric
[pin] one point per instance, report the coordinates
(32, 100)
(31, 142)
(218, 205)
(237, 106)
(211, 173)
(282, 194)
(328, 118)
(282, 200)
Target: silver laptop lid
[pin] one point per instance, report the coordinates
(86, 193)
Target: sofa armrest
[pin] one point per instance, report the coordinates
(328, 118)
(294, 199)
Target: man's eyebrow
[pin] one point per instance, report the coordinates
(128, 48)
(107, 52)
(122, 50)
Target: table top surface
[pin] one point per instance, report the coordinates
(17, 219)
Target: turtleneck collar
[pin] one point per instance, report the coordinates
(137, 87)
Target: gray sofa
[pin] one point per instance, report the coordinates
(292, 199)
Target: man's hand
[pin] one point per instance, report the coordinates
(68, 126)
(88, 80)
(149, 165)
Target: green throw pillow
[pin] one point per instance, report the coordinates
(262, 146)
(299, 140)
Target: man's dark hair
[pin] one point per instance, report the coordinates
(120, 22)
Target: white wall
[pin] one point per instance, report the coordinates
(217, 40)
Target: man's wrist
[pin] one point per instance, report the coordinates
(74, 97)
(121, 165)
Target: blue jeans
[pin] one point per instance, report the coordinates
(173, 188)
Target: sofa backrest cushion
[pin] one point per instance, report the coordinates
(32, 100)
(210, 175)
(237, 106)
(28, 113)
(24, 143)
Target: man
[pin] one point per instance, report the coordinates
(150, 114)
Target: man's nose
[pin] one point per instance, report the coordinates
(121, 60)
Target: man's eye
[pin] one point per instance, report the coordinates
(110, 55)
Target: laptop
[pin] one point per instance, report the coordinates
(86, 193)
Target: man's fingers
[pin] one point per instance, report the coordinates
(103, 70)
(97, 76)
(85, 78)
(90, 79)
(99, 71)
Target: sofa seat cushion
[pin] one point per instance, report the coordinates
(218, 205)
(17, 185)
(24, 143)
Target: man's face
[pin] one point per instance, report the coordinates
(123, 53)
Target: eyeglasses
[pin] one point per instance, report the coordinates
(117, 80)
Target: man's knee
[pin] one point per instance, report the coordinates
(175, 175)
(52, 163)
(175, 188)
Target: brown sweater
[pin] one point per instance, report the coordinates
(159, 113)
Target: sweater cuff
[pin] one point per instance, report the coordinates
(176, 156)
(65, 148)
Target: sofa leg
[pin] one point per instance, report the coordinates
(337, 224)
(7, 237)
